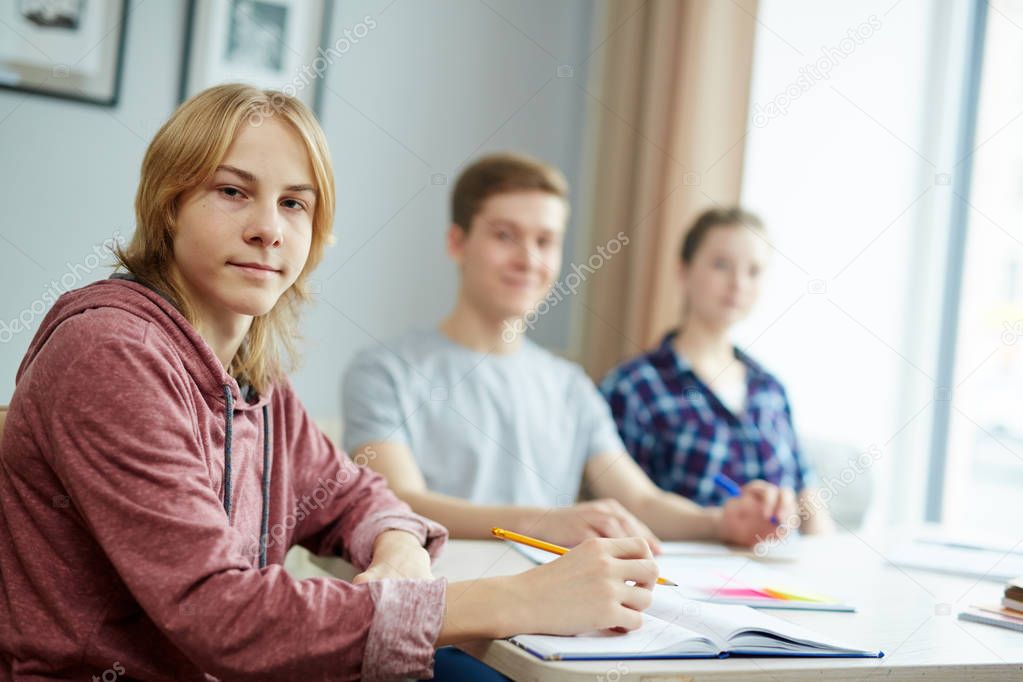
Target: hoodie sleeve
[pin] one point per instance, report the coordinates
(130, 456)
(345, 505)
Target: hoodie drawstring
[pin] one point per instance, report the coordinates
(264, 526)
(228, 424)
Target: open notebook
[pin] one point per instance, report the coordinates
(675, 627)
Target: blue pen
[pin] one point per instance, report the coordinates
(733, 490)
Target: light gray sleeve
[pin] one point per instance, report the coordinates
(597, 426)
(371, 405)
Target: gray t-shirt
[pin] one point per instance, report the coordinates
(493, 429)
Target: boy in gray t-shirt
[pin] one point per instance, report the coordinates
(475, 426)
(515, 428)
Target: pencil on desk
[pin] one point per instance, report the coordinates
(548, 547)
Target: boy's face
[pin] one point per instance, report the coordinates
(511, 254)
(243, 237)
(722, 283)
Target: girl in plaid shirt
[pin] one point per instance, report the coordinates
(696, 406)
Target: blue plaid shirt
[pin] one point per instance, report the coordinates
(681, 434)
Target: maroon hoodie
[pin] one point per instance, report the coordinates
(135, 508)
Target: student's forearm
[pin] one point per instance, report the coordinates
(467, 520)
(673, 517)
(480, 609)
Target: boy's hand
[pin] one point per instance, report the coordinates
(601, 584)
(397, 555)
(605, 518)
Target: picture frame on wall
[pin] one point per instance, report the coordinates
(70, 49)
(266, 43)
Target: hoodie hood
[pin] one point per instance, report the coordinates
(148, 304)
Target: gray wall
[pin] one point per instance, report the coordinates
(432, 85)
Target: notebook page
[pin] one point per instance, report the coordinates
(740, 627)
(654, 637)
(785, 551)
(734, 580)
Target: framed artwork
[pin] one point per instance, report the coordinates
(267, 43)
(71, 49)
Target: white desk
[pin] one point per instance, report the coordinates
(910, 615)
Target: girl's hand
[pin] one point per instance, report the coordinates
(746, 520)
(397, 555)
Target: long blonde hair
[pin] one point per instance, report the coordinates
(184, 154)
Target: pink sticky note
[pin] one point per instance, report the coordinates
(739, 593)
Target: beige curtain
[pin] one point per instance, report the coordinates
(671, 128)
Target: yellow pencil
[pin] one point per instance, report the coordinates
(548, 547)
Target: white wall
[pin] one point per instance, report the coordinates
(68, 174)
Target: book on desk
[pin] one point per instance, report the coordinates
(1008, 614)
(676, 627)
